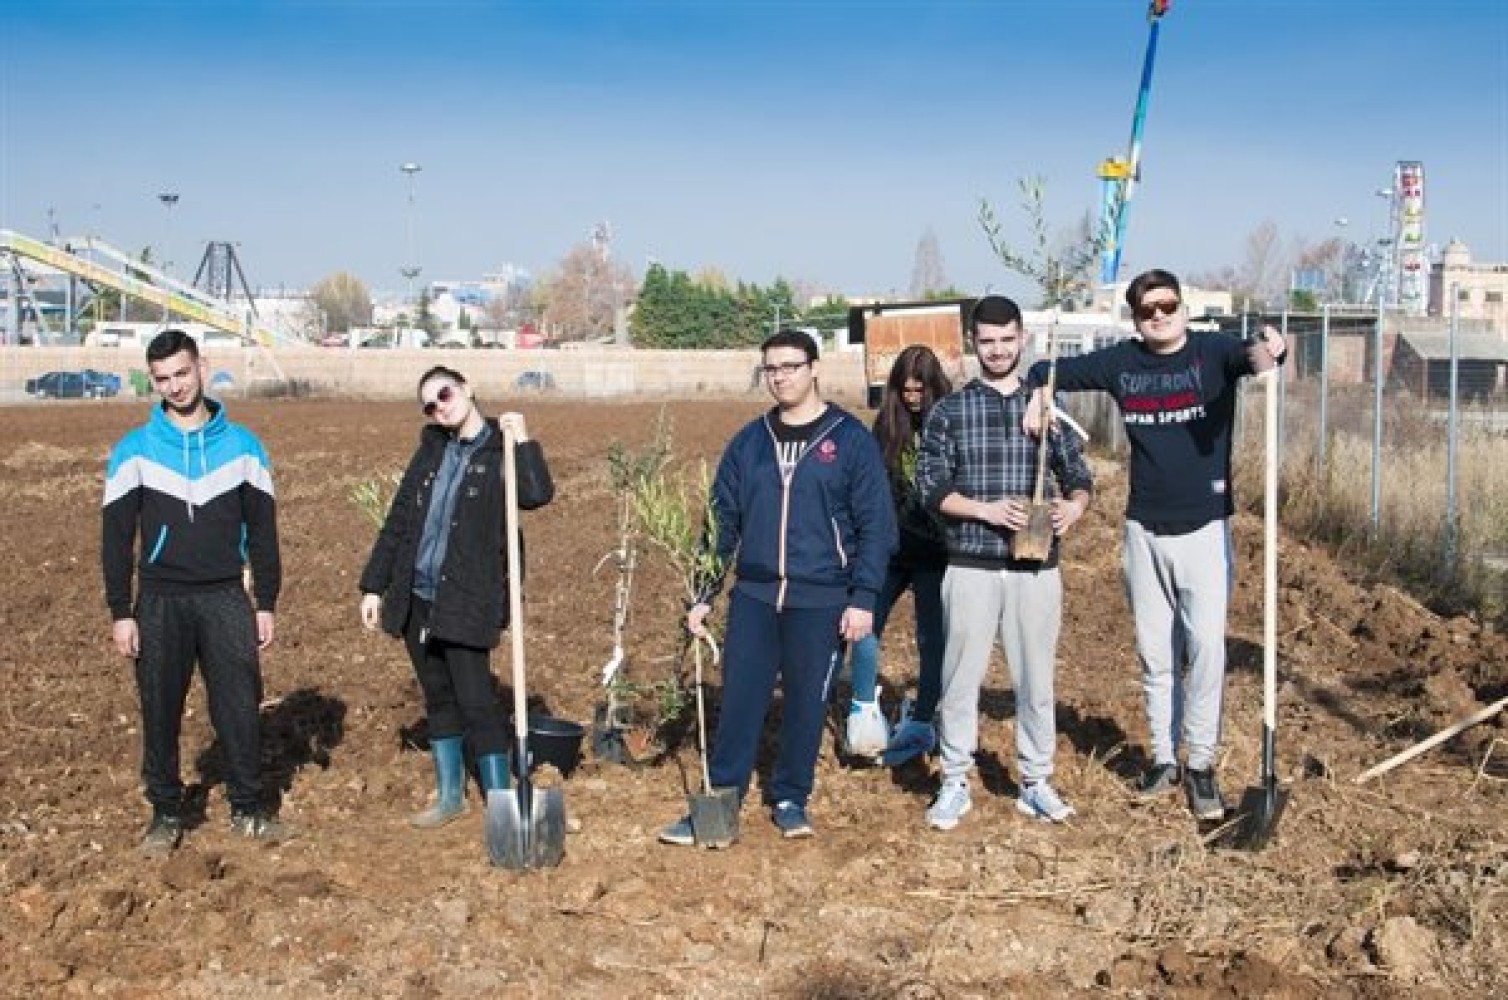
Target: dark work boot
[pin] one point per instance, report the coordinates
(163, 835)
(450, 785)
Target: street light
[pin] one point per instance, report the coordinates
(411, 269)
(169, 199)
(1382, 280)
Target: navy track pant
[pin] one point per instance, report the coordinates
(802, 646)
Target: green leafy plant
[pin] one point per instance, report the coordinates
(1064, 272)
(374, 496)
(661, 504)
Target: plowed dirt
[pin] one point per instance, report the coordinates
(1391, 888)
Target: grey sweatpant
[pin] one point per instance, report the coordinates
(1024, 611)
(1179, 587)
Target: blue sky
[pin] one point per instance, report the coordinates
(814, 140)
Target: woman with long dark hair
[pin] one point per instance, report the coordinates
(916, 382)
(438, 578)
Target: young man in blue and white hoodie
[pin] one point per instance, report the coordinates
(802, 501)
(1177, 395)
(196, 491)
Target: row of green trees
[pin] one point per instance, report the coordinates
(675, 310)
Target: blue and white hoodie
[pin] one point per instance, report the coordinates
(200, 501)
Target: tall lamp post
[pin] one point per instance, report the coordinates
(1382, 280)
(169, 199)
(411, 269)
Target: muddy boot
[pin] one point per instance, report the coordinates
(493, 770)
(450, 787)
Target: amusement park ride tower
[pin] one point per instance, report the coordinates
(1119, 177)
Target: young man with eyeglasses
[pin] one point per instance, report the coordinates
(1177, 395)
(802, 502)
(976, 468)
(196, 491)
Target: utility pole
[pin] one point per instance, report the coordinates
(411, 269)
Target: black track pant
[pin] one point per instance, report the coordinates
(460, 697)
(216, 629)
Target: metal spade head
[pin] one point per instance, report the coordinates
(714, 817)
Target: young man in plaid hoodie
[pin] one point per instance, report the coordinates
(978, 468)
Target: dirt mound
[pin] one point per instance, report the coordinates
(1388, 889)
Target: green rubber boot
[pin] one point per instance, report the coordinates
(450, 785)
(493, 770)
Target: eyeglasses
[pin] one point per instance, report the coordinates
(445, 394)
(1163, 307)
(788, 368)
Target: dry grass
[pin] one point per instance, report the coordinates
(1332, 502)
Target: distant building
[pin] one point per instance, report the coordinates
(1480, 288)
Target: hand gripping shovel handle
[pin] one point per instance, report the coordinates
(701, 703)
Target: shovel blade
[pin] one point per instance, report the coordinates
(714, 818)
(1034, 541)
(1257, 817)
(526, 827)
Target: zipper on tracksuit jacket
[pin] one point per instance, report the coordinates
(786, 478)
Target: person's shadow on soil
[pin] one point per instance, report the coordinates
(996, 703)
(298, 729)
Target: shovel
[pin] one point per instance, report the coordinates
(1257, 815)
(1034, 542)
(714, 813)
(525, 825)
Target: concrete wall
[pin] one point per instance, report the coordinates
(598, 372)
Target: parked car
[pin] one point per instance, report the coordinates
(87, 384)
(534, 379)
(101, 384)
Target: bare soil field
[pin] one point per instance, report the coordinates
(1393, 888)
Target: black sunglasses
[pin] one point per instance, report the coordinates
(444, 395)
(1166, 307)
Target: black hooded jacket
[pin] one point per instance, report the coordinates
(471, 600)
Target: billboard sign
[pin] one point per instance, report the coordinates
(1413, 266)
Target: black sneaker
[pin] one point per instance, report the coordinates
(162, 836)
(1159, 779)
(1204, 795)
(260, 826)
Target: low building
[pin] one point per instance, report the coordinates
(1480, 289)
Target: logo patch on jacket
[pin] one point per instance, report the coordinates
(827, 452)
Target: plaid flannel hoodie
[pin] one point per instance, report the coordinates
(973, 445)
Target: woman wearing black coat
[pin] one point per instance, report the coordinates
(438, 578)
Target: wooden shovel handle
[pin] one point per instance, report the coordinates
(1039, 490)
(701, 706)
(515, 593)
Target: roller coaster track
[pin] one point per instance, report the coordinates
(143, 282)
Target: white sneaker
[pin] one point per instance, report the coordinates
(1041, 801)
(950, 806)
(867, 733)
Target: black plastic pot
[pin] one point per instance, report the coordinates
(556, 742)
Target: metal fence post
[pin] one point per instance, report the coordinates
(1452, 433)
(1282, 393)
(1377, 424)
(1324, 390)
